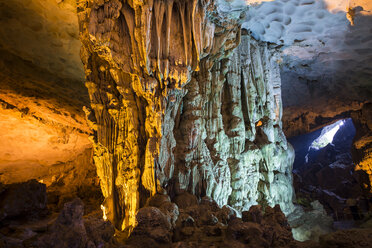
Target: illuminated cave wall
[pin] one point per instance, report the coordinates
(43, 131)
(362, 145)
(176, 106)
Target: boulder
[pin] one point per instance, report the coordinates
(185, 200)
(71, 230)
(23, 200)
(151, 224)
(168, 208)
(68, 231)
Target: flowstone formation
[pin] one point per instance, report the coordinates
(176, 107)
(259, 158)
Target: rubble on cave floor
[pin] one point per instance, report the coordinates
(185, 222)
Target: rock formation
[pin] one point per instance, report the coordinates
(175, 107)
(136, 68)
(362, 151)
(162, 223)
(185, 111)
(204, 224)
(43, 126)
(70, 229)
(325, 67)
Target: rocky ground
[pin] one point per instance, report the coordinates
(26, 220)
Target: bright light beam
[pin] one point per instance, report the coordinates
(326, 136)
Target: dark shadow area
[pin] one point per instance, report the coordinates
(324, 171)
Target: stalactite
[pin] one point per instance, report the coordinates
(136, 73)
(176, 107)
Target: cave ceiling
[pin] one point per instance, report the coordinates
(44, 33)
(324, 55)
(325, 59)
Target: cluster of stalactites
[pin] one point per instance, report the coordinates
(163, 39)
(137, 57)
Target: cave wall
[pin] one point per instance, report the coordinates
(362, 147)
(43, 33)
(326, 61)
(43, 126)
(326, 57)
(260, 159)
(176, 107)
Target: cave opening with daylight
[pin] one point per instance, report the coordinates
(324, 171)
(185, 123)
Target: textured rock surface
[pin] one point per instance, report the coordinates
(77, 178)
(198, 224)
(362, 147)
(70, 229)
(47, 35)
(306, 119)
(326, 52)
(326, 62)
(261, 169)
(326, 172)
(41, 118)
(44, 133)
(135, 104)
(43, 127)
(357, 238)
(310, 223)
(204, 224)
(175, 107)
(175, 112)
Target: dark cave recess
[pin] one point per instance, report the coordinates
(324, 170)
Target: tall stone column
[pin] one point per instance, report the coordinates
(138, 57)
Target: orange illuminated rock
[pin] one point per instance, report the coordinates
(138, 56)
(362, 151)
(175, 102)
(42, 123)
(41, 90)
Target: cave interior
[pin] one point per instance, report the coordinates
(185, 123)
